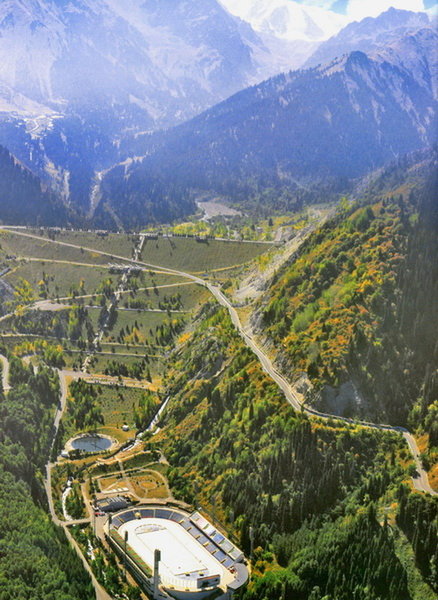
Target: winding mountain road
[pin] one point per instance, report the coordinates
(420, 480)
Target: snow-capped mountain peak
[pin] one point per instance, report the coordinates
(109, 69)
(287, 19)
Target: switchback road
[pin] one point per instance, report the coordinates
(421, 480)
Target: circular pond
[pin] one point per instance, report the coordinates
(91, 443)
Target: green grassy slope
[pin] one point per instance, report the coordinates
(190, 255)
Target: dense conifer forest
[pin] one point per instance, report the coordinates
(23, 199)
(36, 560)
(314, 502)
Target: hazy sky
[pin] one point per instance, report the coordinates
(358, 9)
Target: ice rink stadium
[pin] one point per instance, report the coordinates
(173, 554)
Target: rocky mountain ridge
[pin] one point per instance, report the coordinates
(337, 121)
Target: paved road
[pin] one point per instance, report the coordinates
(101, 594)
(140, 289)
(62, 405)
(90, 265)
(421, 482)
(13, 334)
(52, 305)
(5, 374)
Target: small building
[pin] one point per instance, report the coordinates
(109, 505)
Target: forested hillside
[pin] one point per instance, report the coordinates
(315, 494)
(23, 201)
(35, 558)
(356, 310)
(140, 199)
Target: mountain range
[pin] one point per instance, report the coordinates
(287, 19)
(169, 59)
(333, 122)
(78, 76)
(89, 84)
(369, 35)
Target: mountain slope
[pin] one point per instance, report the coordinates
(417, 53)
(336, 121)
(357, 310)
(309, 498)
(166, 59)
(36, 560)
(79, 76)
(24, 201)
(322, 494)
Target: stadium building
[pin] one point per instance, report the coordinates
(173, 554)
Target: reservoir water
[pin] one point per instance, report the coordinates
(91, 443)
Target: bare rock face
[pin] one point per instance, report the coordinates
(344, 401)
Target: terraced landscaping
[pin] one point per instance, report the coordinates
(197, 257)
(59, 280)
(118, 405)
(134, 327)
(185, 296)
(20, 245)
(121, 244)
